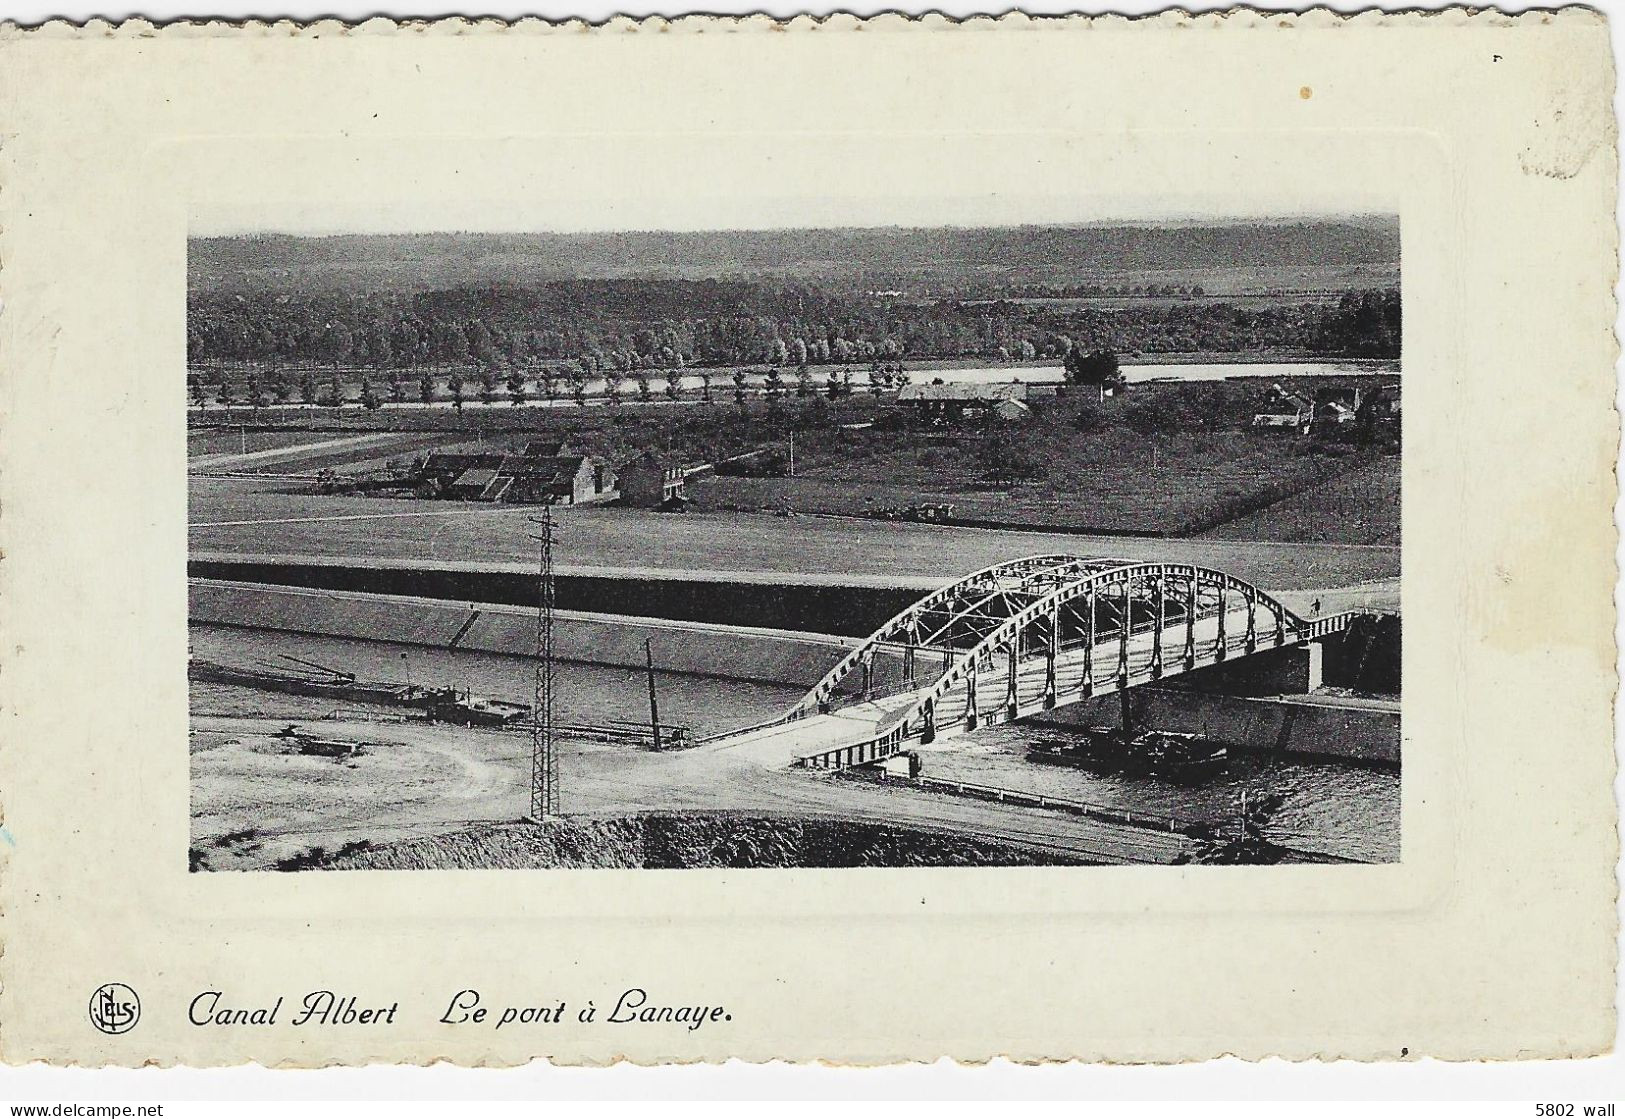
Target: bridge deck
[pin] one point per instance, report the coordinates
(829, 740)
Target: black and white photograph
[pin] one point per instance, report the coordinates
(813, 545)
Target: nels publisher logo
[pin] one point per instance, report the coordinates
(114, 1008)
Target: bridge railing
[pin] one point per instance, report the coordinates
(749, 728)
(1331, 623)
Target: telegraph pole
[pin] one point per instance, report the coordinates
(544, 761)
(654, 704)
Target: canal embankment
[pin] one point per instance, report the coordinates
(824, 607)
(847, 606)
(1366, 731)
(1358, 730)
(717, 840)
(752, 654)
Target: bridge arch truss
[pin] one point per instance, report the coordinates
(1029, 635)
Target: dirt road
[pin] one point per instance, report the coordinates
(255, 805)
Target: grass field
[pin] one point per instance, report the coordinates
(1167, 459)
(237, 516)
(358, 454)
(1361, 506)
(1118, 483)
(232, 440)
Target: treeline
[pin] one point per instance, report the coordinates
(1082, 291)
(627, 325)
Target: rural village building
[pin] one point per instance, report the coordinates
(1336, 405)
(1285, 409)
(530, 477)
(963, 400)
(650, 481)
(1371, 408)
(1012, 411)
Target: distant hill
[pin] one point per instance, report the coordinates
(1230, 256)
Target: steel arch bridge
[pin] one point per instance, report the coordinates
(1026, 636)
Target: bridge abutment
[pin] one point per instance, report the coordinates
(1365, 732)
(1291, 670)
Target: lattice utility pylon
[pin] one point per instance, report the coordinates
(544, 759)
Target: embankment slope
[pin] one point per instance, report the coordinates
(672, 841)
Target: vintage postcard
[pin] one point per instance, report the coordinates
(831, 540)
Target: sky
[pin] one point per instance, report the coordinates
(339, 221)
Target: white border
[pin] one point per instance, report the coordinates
(1594, 1079)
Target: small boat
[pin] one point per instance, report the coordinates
(1186, 758)
(1171, 756)
(448, 705)
(328, 684)
(316, 746)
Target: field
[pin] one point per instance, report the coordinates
(692, 434)
(232, 440)
(1117, 484)
(305, 452)
(236, 516)
(1169, 460)
(1361, 506)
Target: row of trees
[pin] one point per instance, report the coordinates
(1086, 291)
(572, 381)
(503, 329)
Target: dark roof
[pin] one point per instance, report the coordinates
(479, 476)
(560, 468)
(1339, 394)
(546, 448)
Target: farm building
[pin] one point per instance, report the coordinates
(563, 480)
(1336, 406)
(454, 475)
(650, 481)
(1366, 409)
(1381, 403)
(1284, 409)
(1379, 414)
(1011, 411)
(954, 402)
(524, 477)
(477, 483)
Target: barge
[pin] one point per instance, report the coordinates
(324, 683)
(438, 704)
(1183, 758)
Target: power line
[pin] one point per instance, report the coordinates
(544, 761)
